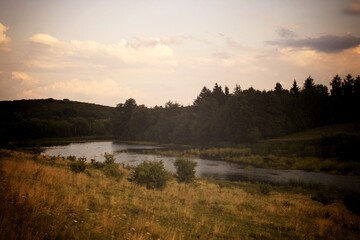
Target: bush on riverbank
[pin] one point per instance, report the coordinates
(185, 170)
(150, 174)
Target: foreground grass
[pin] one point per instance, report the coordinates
(42, 199)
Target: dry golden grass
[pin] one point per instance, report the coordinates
(42, 199)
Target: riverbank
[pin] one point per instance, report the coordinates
(41, 198)
(318, 150)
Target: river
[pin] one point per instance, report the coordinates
(205, 168)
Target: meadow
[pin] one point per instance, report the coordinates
(41, 198)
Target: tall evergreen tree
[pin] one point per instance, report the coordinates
(205, 93)
(357, 86)
(348, 86)
(295, 90)
(237, 89)
(336, 87)
(218, 94)
(309, 83)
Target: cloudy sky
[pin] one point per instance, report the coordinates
(159, 50)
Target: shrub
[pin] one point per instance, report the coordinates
(185, 170)
(97, 165)
(265, 189)
(112, 170)
(109, 158)
(78, 166)
(150, 174)
(71, 158)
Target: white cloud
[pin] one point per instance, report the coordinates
(45, 39)
(4, 39)
(49, 52)
(27, 94)
(104, 91)
(24, 78)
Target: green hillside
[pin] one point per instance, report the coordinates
(317, 133)
(26, 119)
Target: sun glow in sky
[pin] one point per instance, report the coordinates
(159, 50)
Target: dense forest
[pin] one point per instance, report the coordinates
(216, 115)
(48, 118)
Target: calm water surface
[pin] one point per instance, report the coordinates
(205, 168)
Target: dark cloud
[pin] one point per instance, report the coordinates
(286, 33)
(353, 8)
(327, 43)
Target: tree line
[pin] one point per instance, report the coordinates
(220, 116)
(216, 116)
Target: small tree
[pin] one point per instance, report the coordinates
(150, 174)
(185, 170)
(109, 158)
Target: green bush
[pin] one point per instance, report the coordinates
(109, 158)
(78, 166)
(97, 165)
(112, 170)
(185, 170)
(150, 174)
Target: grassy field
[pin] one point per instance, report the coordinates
(41, 198)
(316, 133)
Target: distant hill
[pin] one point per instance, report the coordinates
(23, 119)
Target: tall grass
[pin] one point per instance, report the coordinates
(40, 200)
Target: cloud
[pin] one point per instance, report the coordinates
(48, 52)
(4, 39)
(24, 78)
(326, 43)
(285, 32)
(44, 39)
(221, 55)
(104, 91)
(353, 8)
(151, 42)
(230, 42)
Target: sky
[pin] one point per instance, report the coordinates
(157, 51)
